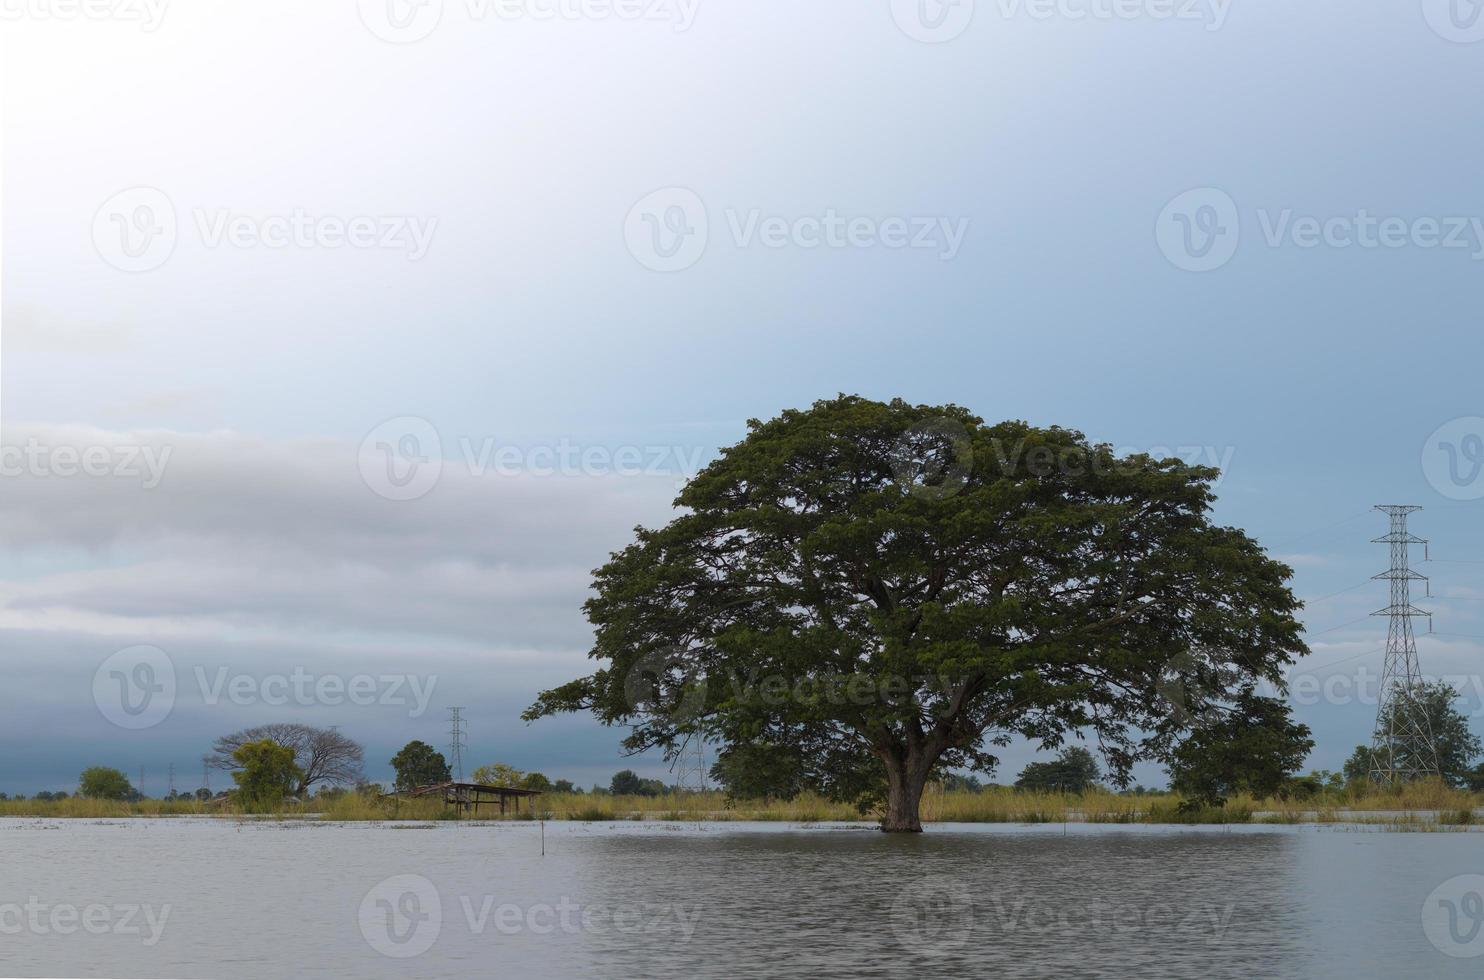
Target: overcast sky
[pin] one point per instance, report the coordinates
(261, 258)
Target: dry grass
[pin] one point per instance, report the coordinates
(1439, 805)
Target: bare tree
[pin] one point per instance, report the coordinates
(322, 754)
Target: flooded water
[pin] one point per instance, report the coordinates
(216, 898)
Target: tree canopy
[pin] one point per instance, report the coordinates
(322, 755)
(265, 773)
(1458, 747)
(1073, 771)
(103, 783)
(873, 592)
(419, 764)
(1252, 747)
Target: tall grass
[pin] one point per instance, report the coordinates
(1427, 804)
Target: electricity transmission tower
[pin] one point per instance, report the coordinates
(690, 765)
(1402, 747)
(457, 742)
(170, 792)
(206, 773)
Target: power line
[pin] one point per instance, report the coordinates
(1328, 527)
(1339, 627)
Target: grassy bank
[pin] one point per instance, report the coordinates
(1437, 805)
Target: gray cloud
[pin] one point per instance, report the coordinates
(261, 558)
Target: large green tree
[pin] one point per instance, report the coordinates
(1251, 746)
(876, 592)
(419, 764)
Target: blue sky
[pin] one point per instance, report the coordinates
(502, 172)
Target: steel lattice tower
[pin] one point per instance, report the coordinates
(1402, 747)
(690, 765)
(457, 742)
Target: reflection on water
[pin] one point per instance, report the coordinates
(178, 898)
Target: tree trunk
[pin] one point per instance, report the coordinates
(905, 780)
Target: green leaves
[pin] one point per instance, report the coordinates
(976, 581)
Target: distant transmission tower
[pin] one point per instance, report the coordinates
(140, 787)
(1402, 747)
(457, 742)
(206, 773)
(170, 792)
(690, 765)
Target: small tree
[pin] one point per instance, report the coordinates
(499, 774)
(1357, 768)
(1254, 746)
(103, 783)
(419, 764)
(322, 755)
(1434, 707)
(536, 781)
(625, 782)
(265, 773)
(565, 786)
(1074, 771)
(629, 783)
